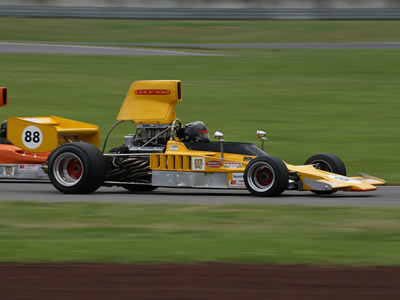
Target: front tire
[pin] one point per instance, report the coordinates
(77, 168)
(327, 162)
(266, 176)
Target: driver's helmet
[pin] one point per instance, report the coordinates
(3, 131)
(196, 132)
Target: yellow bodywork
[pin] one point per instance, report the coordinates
(335, 181)
(44, 134)
(151, 102)
(178, 158)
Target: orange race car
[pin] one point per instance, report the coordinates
(16, 163)
(24, 161)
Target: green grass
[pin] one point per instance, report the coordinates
(309, 101)
(134, 31)
(131, 233)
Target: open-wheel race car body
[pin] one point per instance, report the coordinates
(162, 152)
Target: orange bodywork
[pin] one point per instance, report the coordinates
(10, 154)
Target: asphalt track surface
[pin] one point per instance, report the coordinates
(37, 48)
(375, 45)
(33, 47)
(388, 45)
(45, 192)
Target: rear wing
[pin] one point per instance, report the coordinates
(44, 134)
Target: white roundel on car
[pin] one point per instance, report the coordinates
(32, 137)
(344, 178)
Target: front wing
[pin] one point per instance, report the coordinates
(317, 180)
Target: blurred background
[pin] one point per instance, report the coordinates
(317, 76)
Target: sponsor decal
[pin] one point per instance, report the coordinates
(344, 179)
(152, 92)
(8, 171)
(173, 148)
(370, 180)
(198, 163)
(238, 184)
(237, 176)
(214, 164)
(232, 165)
(246, 158)
(28, 168)
(237, 181)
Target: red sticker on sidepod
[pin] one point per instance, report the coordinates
(153, 92)
(214, 164)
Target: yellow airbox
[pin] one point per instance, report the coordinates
(151, 102)
(44, 134)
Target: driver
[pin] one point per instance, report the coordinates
(195, 132)
(3, 133)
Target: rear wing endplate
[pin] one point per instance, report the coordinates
(3, 96)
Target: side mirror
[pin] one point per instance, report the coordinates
(218, 136)
(3, 96)
(261, 135)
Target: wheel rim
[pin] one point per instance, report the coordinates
(68, 169)
(322, 165)
(261, 176)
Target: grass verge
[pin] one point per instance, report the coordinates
(131, 233)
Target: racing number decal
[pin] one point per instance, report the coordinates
(32, 137)
(29, 138)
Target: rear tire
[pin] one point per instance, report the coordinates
(266, 176)
(77, 168)
(327, 162)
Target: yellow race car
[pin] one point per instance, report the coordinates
(165, 153)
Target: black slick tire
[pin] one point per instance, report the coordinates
(327, 162)
(77, 168)
(266, 176)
